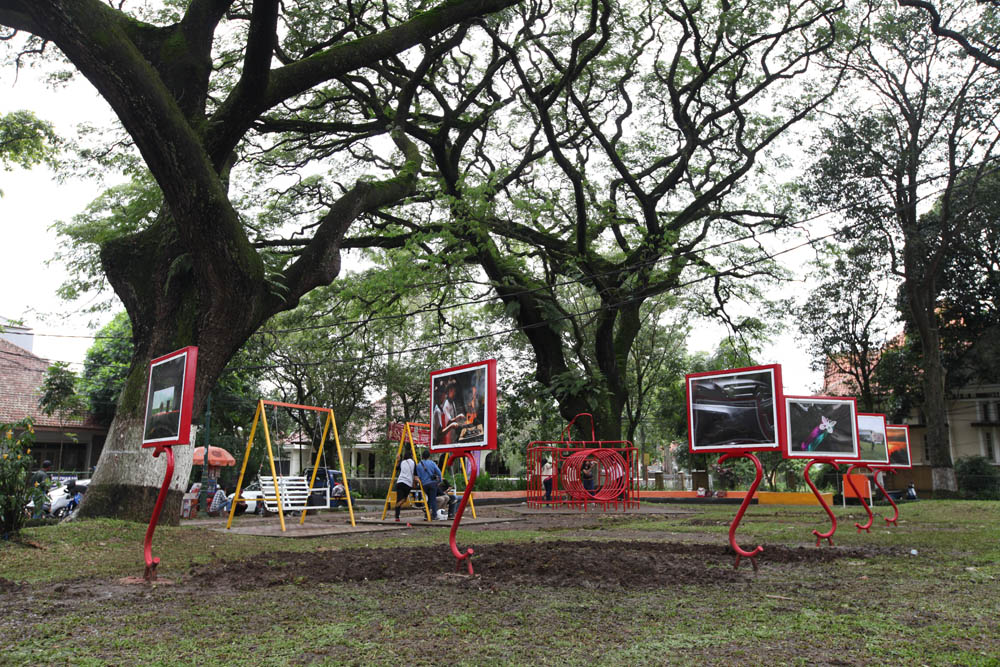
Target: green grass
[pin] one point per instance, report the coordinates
(940, 607)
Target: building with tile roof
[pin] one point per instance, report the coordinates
(973, 418)
(73, 443)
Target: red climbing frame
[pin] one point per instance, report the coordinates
(614, 481)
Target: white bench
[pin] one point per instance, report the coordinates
(294, 494)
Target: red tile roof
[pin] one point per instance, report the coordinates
(21, 376)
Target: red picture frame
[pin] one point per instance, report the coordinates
(735, 410)
(877, 424)
(169, 398)
(898, 433)
(811, 417)
(464, 407)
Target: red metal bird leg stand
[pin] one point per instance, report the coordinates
(473, 471)
(742, 553)
(871, 517)
(151, 563)
(828, 536)
(895, 516)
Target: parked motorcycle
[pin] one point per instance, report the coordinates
(67, 498)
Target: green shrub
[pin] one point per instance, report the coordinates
(484, 482)
(977, 478)
(16, 489)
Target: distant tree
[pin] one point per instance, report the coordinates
(60, 397)
(849, 319)
(105, 367)
(617, 171)
(933, 126)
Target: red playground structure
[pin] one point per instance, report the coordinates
(613, 478)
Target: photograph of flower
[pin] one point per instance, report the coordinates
(872, 440)
(821, 427)
(898, 442)
(736, 409)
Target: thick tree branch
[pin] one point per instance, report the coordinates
(938, 29)
(234, 116)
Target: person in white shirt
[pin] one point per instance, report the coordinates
(547, 478)
(404, 482)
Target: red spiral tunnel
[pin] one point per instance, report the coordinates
(613, 480)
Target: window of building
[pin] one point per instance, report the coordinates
(988, 449)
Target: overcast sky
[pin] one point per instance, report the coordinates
(33, 200)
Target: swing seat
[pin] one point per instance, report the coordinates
(409, 502)
(294, 494)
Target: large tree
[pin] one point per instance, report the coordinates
(928, 129)
(975, 25)
(194, 84)
(590, 157)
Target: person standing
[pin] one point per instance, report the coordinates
(404, 482)
(430, 477)
(445, 420)
(587, 475)
(547, 478)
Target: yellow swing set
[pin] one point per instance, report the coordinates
(406, 438)
(330, 424)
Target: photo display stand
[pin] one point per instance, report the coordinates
(169, 402)
(736, 412)
(824, 430)
(260, 417)
(873, 452)
(898, 444)
(463, 421)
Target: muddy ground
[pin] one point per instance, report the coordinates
(633, 591)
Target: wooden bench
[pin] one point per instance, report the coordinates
(295, 494)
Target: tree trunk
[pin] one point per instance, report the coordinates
(128, 478)
(922, 295)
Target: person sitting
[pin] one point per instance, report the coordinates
(447, 498)
(220, 502)
(339, 495)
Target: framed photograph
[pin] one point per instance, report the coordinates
(872, 441)
(464, 407)
(169, 398)
(820, 427)
(736, 409)
(897, 438)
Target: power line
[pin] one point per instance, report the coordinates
(492, 297)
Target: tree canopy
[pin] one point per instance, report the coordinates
(25, 140)
(930, 136)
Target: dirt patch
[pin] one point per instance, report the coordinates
(8, 586)
(588, 564)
